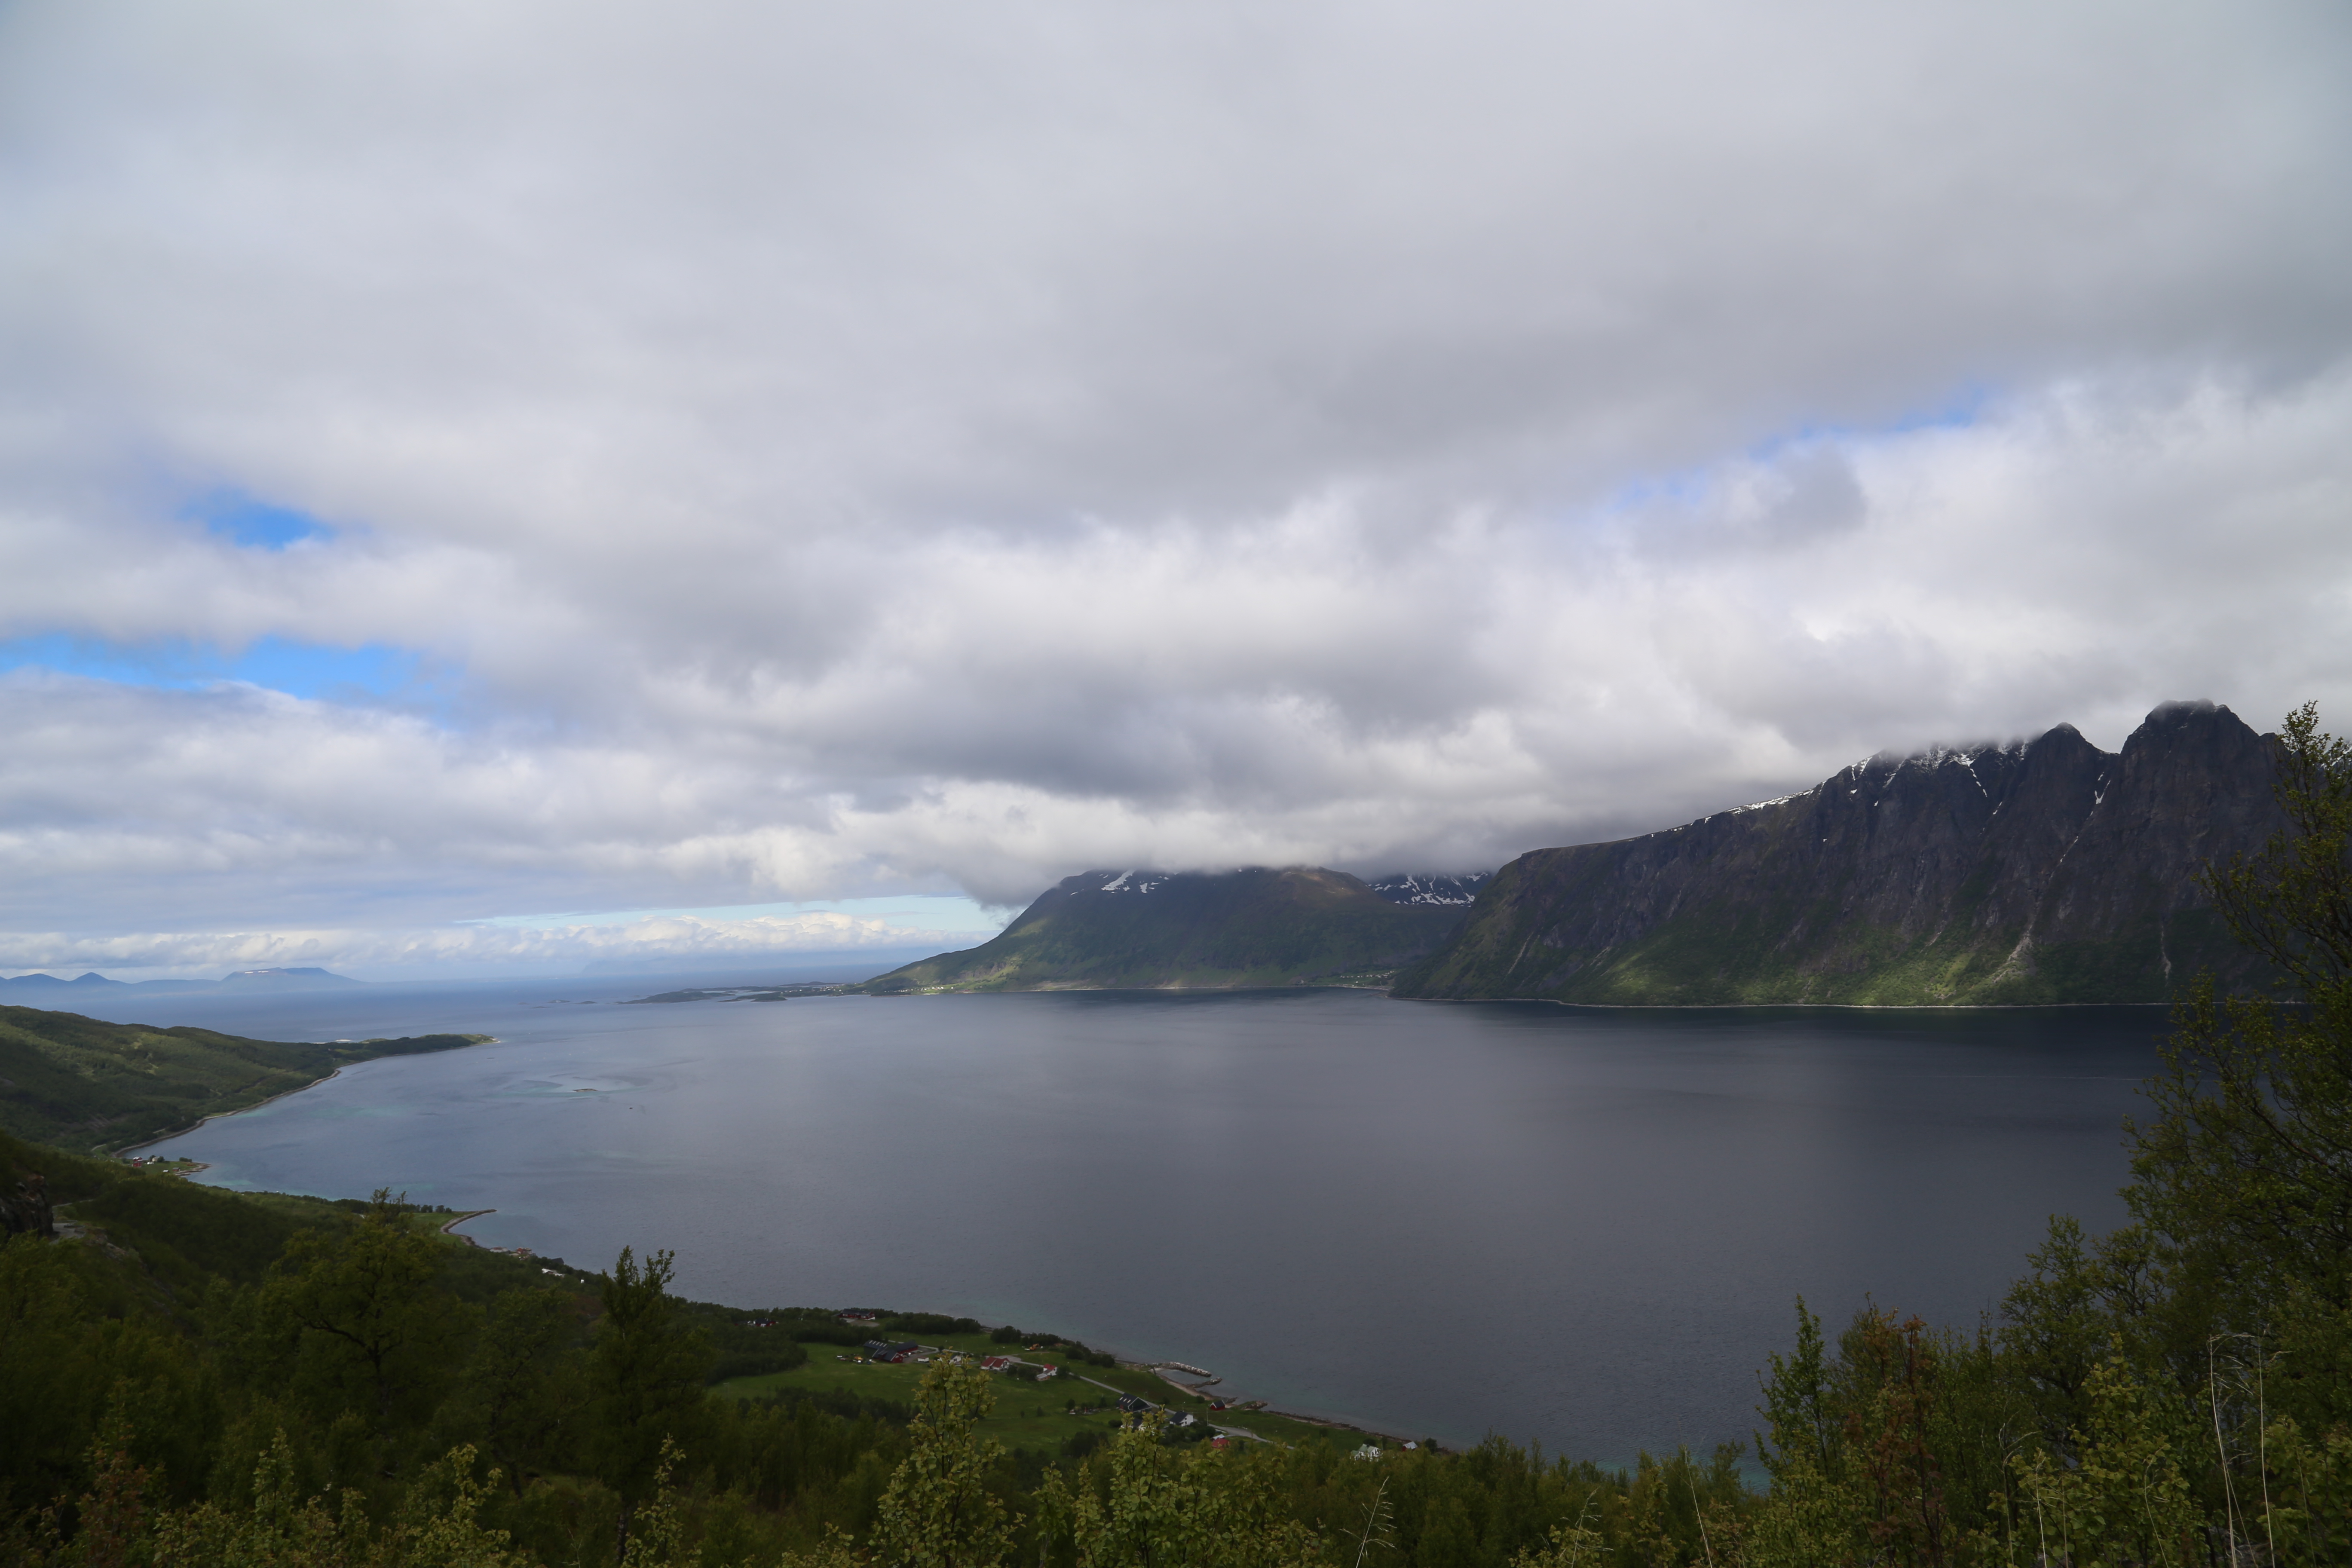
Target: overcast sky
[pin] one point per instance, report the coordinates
(462, 461)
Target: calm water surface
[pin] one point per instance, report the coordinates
(1585, 1229)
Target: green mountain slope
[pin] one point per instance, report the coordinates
(81, 1082)
(2043, 872)
(1149, 930)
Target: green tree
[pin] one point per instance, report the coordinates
(1888, 1445)
(50, 1380)
(1812, 1516)
(365, 1299)
(2125, 1498)
(513, 1391)
(1576, 1545)
(2305, 1512)
(438, 1525)
(111, 1517)
(283, 1528)
(2247, 1167)
(1805, 1428)
(939, 1511)
(1144, 1504)
(2242, 1178)
(2063, 1319)
(644, 1376)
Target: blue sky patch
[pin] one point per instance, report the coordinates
(254, 524)
(372, 672)
(307, 669)
(1966, 405)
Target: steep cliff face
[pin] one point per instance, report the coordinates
(1122, 930)
(2123, 915)
(2049, 871)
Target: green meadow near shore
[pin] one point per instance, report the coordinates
(208, 1379)
(1029, 1414)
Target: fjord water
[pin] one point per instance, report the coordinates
(1583, 1227)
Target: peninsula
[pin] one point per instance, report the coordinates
(83, 1083)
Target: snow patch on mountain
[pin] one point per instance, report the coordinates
(1420, 888)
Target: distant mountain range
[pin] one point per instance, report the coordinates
(2042, 872)
(1142, 930)
(2034, 872)
(49, 987)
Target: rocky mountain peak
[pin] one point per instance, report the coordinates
(2040, 871)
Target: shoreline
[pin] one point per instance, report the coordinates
(1758, 1007)
(217, 1115)
(241, 1109)
(1450, 1426)
(1547, 1001)
(1261, 1407)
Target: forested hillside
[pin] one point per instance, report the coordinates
(85, 1083)
(211, 1378)
(1118, 929)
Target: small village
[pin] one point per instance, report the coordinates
(1188, 1384)
(906, 1353)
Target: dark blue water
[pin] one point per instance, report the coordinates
(1583, 1227)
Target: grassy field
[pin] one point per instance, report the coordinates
(1028, 1414)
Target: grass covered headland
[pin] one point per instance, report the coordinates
(205, 1378)
(84, 1083)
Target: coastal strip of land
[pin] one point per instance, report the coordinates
(83, 1083)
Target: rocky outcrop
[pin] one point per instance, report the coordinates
(2042, 871)
(25, 1205)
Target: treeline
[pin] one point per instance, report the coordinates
(239, 1381)
(226, 1380)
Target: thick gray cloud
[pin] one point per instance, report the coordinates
(829, 449)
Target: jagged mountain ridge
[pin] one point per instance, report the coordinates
(2040, 872)
(1157, 929)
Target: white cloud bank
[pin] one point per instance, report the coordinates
(827, 450)
(677, 941)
